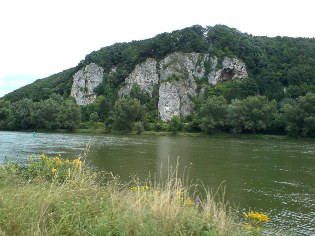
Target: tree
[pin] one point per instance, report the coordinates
(213, 114)
(126, 112)
(48, 113)
(69, 115)
(139, 127)
(253, 114)
(174, 125)
(299, 116)
(23, 111)
(6, 116)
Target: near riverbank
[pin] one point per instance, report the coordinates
(63, 197)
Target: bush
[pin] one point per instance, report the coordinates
(49, 168)
(126, 112)
(175, 125)
(139, 127)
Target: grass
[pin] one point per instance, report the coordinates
(51, 196)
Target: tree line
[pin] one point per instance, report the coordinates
(254, 114)
(50, 114)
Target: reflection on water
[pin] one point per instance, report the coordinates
(275, 177)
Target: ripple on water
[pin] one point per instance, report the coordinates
(295, 222)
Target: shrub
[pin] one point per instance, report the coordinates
(49, 168)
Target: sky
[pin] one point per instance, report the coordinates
(39, 38)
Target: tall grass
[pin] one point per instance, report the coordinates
(32, 204)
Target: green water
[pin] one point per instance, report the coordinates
(276, 177)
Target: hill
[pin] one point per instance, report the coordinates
(274, 63)
(173, 74)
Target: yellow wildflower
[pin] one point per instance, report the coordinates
(43, 157)
(257, 216)
(248, 227)
(189, 202)
(134, 188)
(146, 187)
(54, 170)
(58, 161)
(76, 163)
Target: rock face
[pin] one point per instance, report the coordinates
(179, 64)
(176, 76)
(169, 101)
(231, 69)
(145, 75)
(174, 98)
(178, 72)
(84, 83)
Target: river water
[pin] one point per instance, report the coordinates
(276, 177)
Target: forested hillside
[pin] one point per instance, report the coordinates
(280, 84)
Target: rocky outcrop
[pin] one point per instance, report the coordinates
(169, 101)
(176, 76)
(231, 69)
(84, 83)
(145, 75)
(178, 72)
(174, 98)
(190, 65)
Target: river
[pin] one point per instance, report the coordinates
(276, 177)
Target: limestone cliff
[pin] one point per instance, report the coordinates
(179, 64)
(231, 69)
(84, 83)
(178, 72)
(145, 75)
(174, 98)
(176, 76)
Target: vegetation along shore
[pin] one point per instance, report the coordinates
(55, 196)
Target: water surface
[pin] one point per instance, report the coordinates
(273, 176)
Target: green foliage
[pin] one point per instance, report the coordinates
(213, 113)
(6, 115)
(42, 89)
(234, 89)
(299, 116)
(139, 127)
(136, 93)
(149, 103)
(94, 117)
(279, 68)
(126, 112)
(274, 63)
(174, 125)
(99, 110)
(253, 114)
(48, 168)
(69, 115)
(50, 114)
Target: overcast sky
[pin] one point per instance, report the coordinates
(42, 37)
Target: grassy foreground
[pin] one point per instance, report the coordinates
(52, 196)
